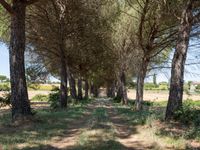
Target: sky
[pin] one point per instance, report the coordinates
(192, 71)
(4, 60)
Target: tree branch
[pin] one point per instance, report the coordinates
(7, 6)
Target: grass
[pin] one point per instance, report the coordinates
(47, 125)
(173, 134)
(42, 87)
(100, 133)
(40, 98)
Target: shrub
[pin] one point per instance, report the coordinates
(42, 87)
(150, 86)
(34, 86)
(193, 133)
(117, 99)
(163, 88)
(4, 87)
(5, 100)
(55, 96)
(47, 87)
(198, 87)
(188, 113)
(132, 85)
(55, 88)
(40, 97)
(163, 83)
(54, 99)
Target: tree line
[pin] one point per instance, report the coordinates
(98, 43)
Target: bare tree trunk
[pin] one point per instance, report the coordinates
(111, 90)
(72, 84)
(91, 89)
(96, 91)
(140, 83)
(19, 95)
(122, 91)
(178, 64)
(80, 93)
(108, 92)
(63, 83)
(119, 92)
(86, 89)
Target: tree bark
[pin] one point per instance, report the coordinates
(91, 89)
(111, 90)
(72, 84)
(63, 83)
(96, 91)
(119, 91)
(178, 63)
(122, 91)
(19, 95)
(80, 93)
(140, 83)
(86, 89)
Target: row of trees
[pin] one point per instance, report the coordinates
(102, 43)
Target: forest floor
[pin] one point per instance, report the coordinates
(98, 125)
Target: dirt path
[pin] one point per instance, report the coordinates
(74, 129)
(128, 137)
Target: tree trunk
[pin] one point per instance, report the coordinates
(178, 63)
(123, 88)
(19, 95)
(91, 89)
(110, 90)
(140, 83)
(80, 93)
(63, 83)
(122, 91)
(72, 84)
(96, 91)
(119, 92)
(86, 89)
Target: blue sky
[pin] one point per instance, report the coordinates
(192, 71)
(4, 60)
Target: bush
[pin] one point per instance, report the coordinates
(55, 88)
(48, 87)
(40, 97)
(34, 86)
(117, 99)
(198, 87)
(54, 99)
(193, 133)
(132, 85)
(42, 87)
(188, 114)
(150, 86)
(5, 100)
(4, 87)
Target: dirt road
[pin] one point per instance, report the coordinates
(114, 133)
